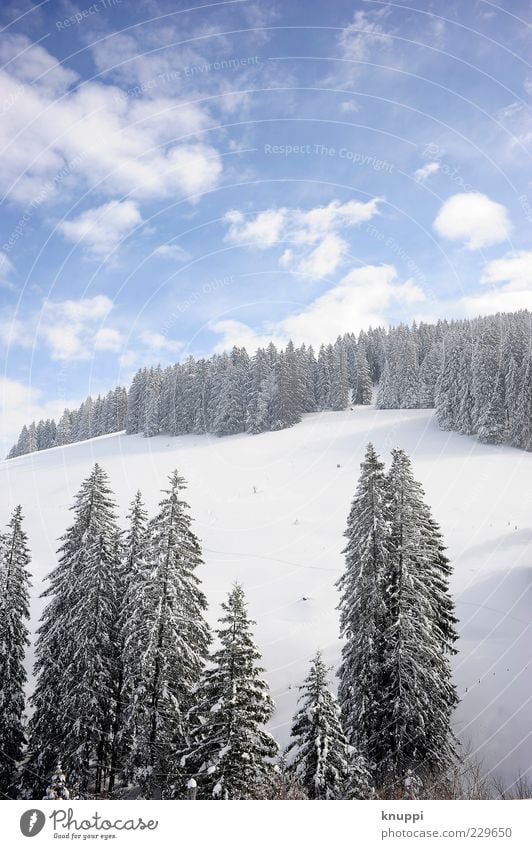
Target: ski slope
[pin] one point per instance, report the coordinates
(270, 511)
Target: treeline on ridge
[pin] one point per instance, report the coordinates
(477, 374)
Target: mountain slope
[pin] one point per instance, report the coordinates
(270, 511)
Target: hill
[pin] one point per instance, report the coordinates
(270, 511)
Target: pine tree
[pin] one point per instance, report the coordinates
(230, 750)
(523, 426)
(339, 393)
(14, 612)
(428, 375)
(407, 370)
(136, 400)
(417, 694)
(256, 414)
(267, 403)
(73, 699)
(387, 397)
(134, 552)
(488, 383)
(64, 429)
(363, 391)
(152, 399)
(320, 752)
(362, 608)
(511, 395)
(449, 390)
(166, 642)
(324, 377)
(230, 414)
(359, 784)
(33, 443)
(309, 370)
(57, 786)
(464, 421)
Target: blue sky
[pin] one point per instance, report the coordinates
(179, 177)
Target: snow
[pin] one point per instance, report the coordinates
(246, 492)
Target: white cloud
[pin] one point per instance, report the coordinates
(426, 171)
(123, 145)
(175, 252)
(502, 300)
(362, 298)
(325, 258)
(6, 270)
(84, 309)
(32, 65)
(516, 119)
(240, 334)
(102, 229)
(473, 218)
(151, 346)
(317, 248)
(262, 231)
(20, 404)
(363, 34)
(510, 282)
(68, 327)
(108, 339)
(514, 268)
(359, 301)
(69, 330)
(349, 106)
(159, 342)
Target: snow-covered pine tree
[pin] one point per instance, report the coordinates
(293, 385)
(428, 375)
(267, 402)
(230, 751)
(309, 370)
(202, 389)
(363, 390)
(33, 444)
(57, 787)
(511, 394)
(64, 429)
(449, 389)
(465, 418)
(320, 753)
(340, 392)
(523, 426)
(407, 369)
(230, 416)
(387, 397)
(73, 699)
(417, 694)
(257, 414)
(488, 382)
(134, 553)
(115, 755)
(362, 609)
(136, 402)
(324, 376)
(287, 403)
(153, 391)
(359, 783)
(14, 612)
(166, 643)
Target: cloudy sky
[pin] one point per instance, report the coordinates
(178, 177)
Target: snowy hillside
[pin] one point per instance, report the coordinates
(270, 511)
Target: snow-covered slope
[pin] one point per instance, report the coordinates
(270, 511)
